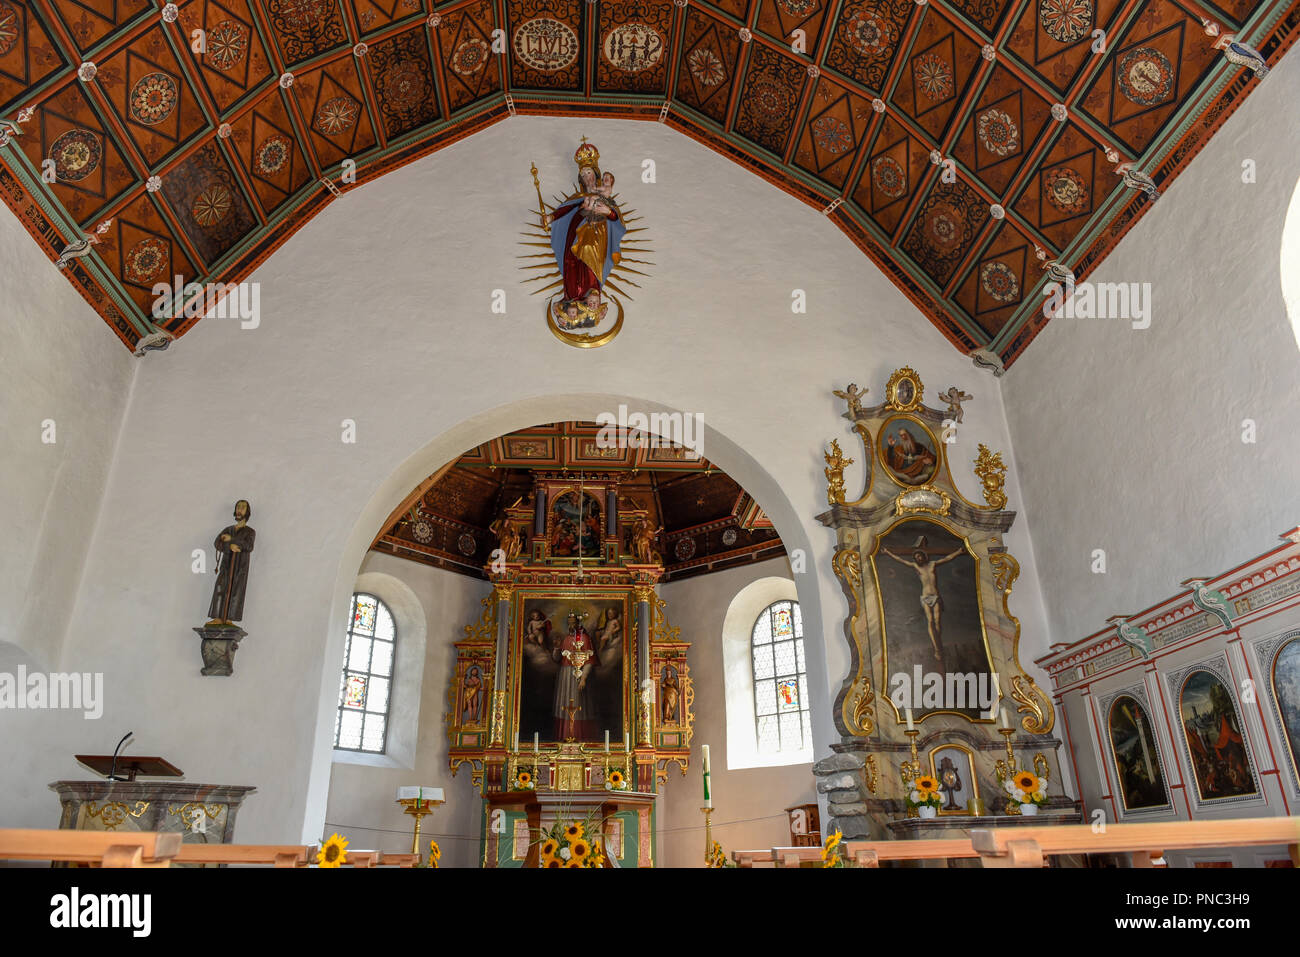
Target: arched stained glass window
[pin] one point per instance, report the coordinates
(780, 679)
(366, 684)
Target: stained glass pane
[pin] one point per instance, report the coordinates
(791, 731)
(798, 619)
(363, 617)
(377, 699)
(350, 729)
(384, 624)
(381, 661)
(787, 694)
(354, 692)
(803, 691)
(782, 622)
(764, 697)
(785, 660)
(763, 630)
(769, 734)
(763, 662)
(807, 729)
(359, 654)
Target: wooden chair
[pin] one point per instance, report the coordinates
(105, 848)
(276, 855)
(1027, 846)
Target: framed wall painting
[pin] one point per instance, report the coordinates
(1212, 736)
(907, 450)
(1135, 753)
(1279, 658)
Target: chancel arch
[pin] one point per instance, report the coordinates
(434, 457)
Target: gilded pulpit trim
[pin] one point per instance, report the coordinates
(992, 474)
(113, 813)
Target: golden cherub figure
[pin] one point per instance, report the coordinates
(835, 464)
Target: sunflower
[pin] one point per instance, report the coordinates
(549, 847)
(573, 831)
(579, 849)
(524, 778)
(833, 841)
(435, 853)
(1026, 781)
(554, 862)
(332, 852)
(616, 778)
(574, 863)
(926, 785)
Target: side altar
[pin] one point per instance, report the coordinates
(941, 726)
(571, 695)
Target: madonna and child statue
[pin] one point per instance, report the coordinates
(586, 232)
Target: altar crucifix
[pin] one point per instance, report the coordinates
(570, 710)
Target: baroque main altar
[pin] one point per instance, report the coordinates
(571, 695)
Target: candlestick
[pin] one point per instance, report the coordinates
(708, 834)
(534, 742)
(607, 740)
(907, 712)
(708, 798)
(516, 741)
(625, 740)
(1006, 718)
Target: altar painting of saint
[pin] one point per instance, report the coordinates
(1142, 783)
(929, 592)
(572, 679)
(571, 525)
(907, 451)
(1214, 739)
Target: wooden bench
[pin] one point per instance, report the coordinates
(276, 855)
(1027, 846)
(363, 858)
(871, 853)
(750, 858)
(106, 848)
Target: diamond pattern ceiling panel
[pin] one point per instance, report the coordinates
(965, 146)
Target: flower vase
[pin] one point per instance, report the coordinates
(927, 811)
(1029, 809)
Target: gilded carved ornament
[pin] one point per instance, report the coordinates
(992, 475)
(485, 628)
(870, 774)
(835, 465)
(1040, 716)
(847, 565)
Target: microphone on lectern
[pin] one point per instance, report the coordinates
(112, 771)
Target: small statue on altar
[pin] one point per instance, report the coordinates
(671, 695)
(835, 465)
(233, 545)
(573, 700)
(643, 543)
(473, 690)
(510, 541)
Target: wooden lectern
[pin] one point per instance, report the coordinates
(111, 765)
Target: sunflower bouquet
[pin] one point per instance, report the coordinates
(570, 844)
(718, 857)
(525, 780)
(924, 793)
(831, 856)
(617, 781)
(1027, 789)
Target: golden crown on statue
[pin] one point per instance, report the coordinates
(587, 155)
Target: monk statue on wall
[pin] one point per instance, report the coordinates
(234, 547)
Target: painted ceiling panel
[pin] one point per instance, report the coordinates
(963, 145)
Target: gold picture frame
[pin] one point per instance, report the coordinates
(904, 391)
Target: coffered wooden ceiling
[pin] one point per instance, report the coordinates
(198, 164)
(709, 522)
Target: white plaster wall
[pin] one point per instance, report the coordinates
(362, 797)
(58, 361)
(750, 802)
(379, 312)
(1130, 440)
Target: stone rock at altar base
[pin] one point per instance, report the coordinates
(218, 646)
